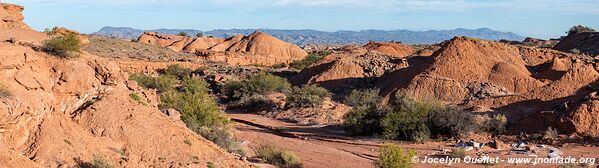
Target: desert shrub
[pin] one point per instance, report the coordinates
(575, 51)
(223, 137)
(100, 162)
(407, 119)
(579, 29)
(4, 91)
(495, 125)
(311, 58)
(362, 97)
(200, 35)
(210, 165)
(187, 142)
(450, 122)
(251, 93)
(307, 96)
(277, 66)
(550, 134)
(183, 34)
(457, 153)
(178, 71)
(191, 97)
(393, 156)
(162, 83)
(63, 46)
(364, 118)
(262, 84)
(255, 103)
(281, 158)
(196, 105)
(135, 96)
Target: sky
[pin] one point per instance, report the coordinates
(536, 18)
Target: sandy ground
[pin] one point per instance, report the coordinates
(320, 147)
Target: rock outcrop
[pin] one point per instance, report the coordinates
(584, 43)
(535, 88)
(162, 40)
(256, 48)
(464, 63)
(66, 112)
(391, 48)
(348, 69)
(11, 16)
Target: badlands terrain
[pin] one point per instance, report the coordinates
(189, 100)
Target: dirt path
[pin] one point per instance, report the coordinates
(328, 147)
(316, 146)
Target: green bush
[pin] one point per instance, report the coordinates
(277, 66)
(495, 125)
(200, 35)
(362, 97)
(281, 158)
(364, 118)
(182, 34)
(311, 58)
(135, 97)
(222, 137)
(178, 71)
(192, 98)
(255, 103)
(100, 162)
(162, 83)
(252, 92)
(450, 122)
(196, 105)
(4, 91)
(407, 120)
(393, 156)
(262, 84)
(579, 29)
(210, 165)
(307, 96)
(64, 46)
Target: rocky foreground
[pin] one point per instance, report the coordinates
(66, 112)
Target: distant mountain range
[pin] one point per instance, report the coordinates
(306, 36)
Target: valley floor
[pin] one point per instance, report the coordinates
(329, 147)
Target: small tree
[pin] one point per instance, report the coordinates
(579, 29)
(200, 35)
(182, 34)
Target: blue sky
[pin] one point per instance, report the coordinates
(537, 18)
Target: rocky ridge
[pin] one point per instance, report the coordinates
(257, 48)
